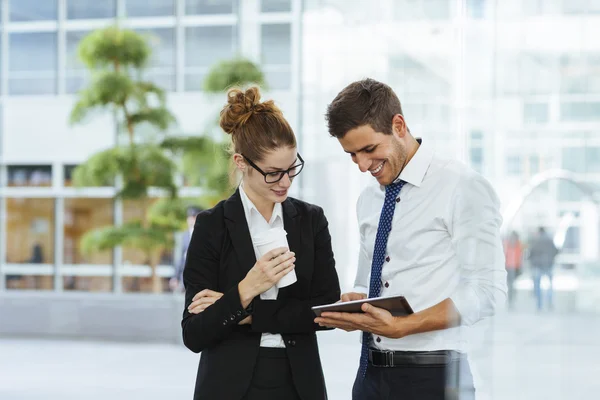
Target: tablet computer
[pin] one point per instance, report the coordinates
(396, 305)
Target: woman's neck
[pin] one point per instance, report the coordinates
(265, 207)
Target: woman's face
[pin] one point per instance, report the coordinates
(279, 159)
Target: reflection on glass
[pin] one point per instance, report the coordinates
(32, 63)
(33, 10)
(275, 5)
(205, 45)
(29, 175)
(30, 240)
(199, 7)
(91, 9)
(276, 40)
(149, 8)
(135, 210)
(81, 216)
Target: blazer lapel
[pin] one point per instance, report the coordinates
(292, 221)
(235, 220)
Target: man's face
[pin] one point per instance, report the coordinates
(383, 156)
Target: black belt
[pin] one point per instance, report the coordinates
(405, 358)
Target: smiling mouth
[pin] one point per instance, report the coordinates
(377, 170)
(280, 192)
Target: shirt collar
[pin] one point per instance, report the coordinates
(417, 167)
(250, 208)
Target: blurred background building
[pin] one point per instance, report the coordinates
(511, 87)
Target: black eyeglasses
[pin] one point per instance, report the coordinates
(276, 176)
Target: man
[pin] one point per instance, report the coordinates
(176, 282)
(542, 253)
(437, 242)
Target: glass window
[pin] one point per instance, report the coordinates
(30, 240)
(275, 6)
(579, 111)
(476, 8)
(76, 73)
(91, 9)
(580, 73)
(535, 112)
(149, 8)
(68, 175)
(572, 243)
(80, 217)
(476, 157)
(534, 164)
(32, 63)
(199, 7)
(567, 191)
(205, 45)
(276, 42)
(573, 159)
(280, 79)
(29, 175)
(194, 82)
(33, 10)
(408, 10)
(514, 165)
(161, 69)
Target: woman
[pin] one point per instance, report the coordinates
(258, 341)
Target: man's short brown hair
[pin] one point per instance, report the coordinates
(365, 102)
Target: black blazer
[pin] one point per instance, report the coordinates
(220, 255)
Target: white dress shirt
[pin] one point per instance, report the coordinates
(258, 224)
(445, 243)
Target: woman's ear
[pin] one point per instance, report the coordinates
(239, 161)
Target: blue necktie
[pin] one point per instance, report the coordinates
(383, 232)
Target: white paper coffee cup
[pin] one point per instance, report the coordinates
(272, 239)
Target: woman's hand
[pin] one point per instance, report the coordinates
(267, 271)
(202, 300)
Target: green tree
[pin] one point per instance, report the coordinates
(116, 58)
(205, 159)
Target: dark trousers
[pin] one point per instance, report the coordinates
(452, 381)
(272, 378)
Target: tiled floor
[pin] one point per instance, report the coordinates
(517, 356)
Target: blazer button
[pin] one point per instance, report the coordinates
(239, 313)
(224, 322)
(232, 317)
(378, 339)
(292, 343)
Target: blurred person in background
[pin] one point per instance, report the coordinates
(258, 342)
(430, 231)
(176, 282)
(542, 252)
(513, 253)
